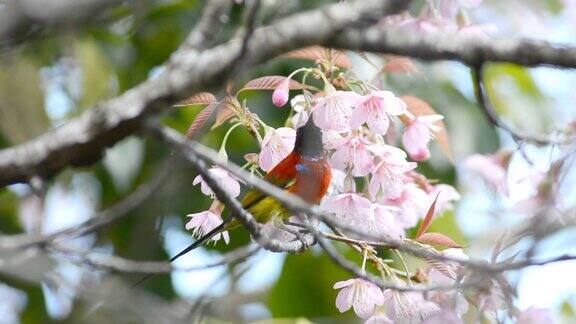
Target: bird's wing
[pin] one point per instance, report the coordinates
(281, 176)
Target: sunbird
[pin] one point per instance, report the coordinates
(305, 172)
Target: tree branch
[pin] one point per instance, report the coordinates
(82, 140)
(492, 116)
(118, 264)
(19, 18)
(194, 151)
(469, 50)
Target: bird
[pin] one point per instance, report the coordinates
(305, 172)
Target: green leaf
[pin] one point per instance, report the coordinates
(96, 73)
(305, 287)
(22, 115)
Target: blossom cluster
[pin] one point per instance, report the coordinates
(374, 141)
(375, 188)
(442, 16)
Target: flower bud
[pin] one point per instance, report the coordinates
(280, 95)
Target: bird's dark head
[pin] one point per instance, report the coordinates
(309, 140)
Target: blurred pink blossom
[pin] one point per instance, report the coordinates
(491, 168)
(408, 307)
(448, 9)
(534, 315)
(446, 196)
(333, 111)
(445, 273)
(418, 134)
(229, 182)
(375, 109)
(444, 316)
(359, 294)
(379, 319)
(276, 145)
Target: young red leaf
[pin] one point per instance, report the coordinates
(201, 119)
(226, 109)
(399, 64)
(314, 53)
(418, 107)
(271, 82)
(446, 268)
(199, 99)
(428, 219)
(438, 239)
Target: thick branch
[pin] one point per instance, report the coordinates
(471, 51)
(82, 140)
(19, 18)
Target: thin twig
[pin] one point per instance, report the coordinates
(492, 116)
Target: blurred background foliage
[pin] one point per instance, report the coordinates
(58, 75)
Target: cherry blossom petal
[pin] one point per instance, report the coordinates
(276, 145)
(379, 319)
(333, 112)
(205, 221)
(342, 300)
(227, 181)
(534, 315)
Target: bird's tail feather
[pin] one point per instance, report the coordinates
(191, 247)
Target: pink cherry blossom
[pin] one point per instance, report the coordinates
(333, 112)
(281, 93)
(481, 31)
(491, 168)
(204, 222)
(446, 273)
(386, 221)
(534, 315)
(446, 195)
(226, 179)
(337, 183)
(444, 316)
(449, 271)
(416, 26)
(331, 139)
(359, 294)
(379, 319)
(352, 152)
(408, 307)
(418, 134)
(387, 174)
(449, 8)
(376, 109)
(301, 116)
(349, 205)
(452, 302)
(353, 210)
(276, 145)
(413, 203)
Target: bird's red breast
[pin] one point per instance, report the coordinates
(312, 179)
